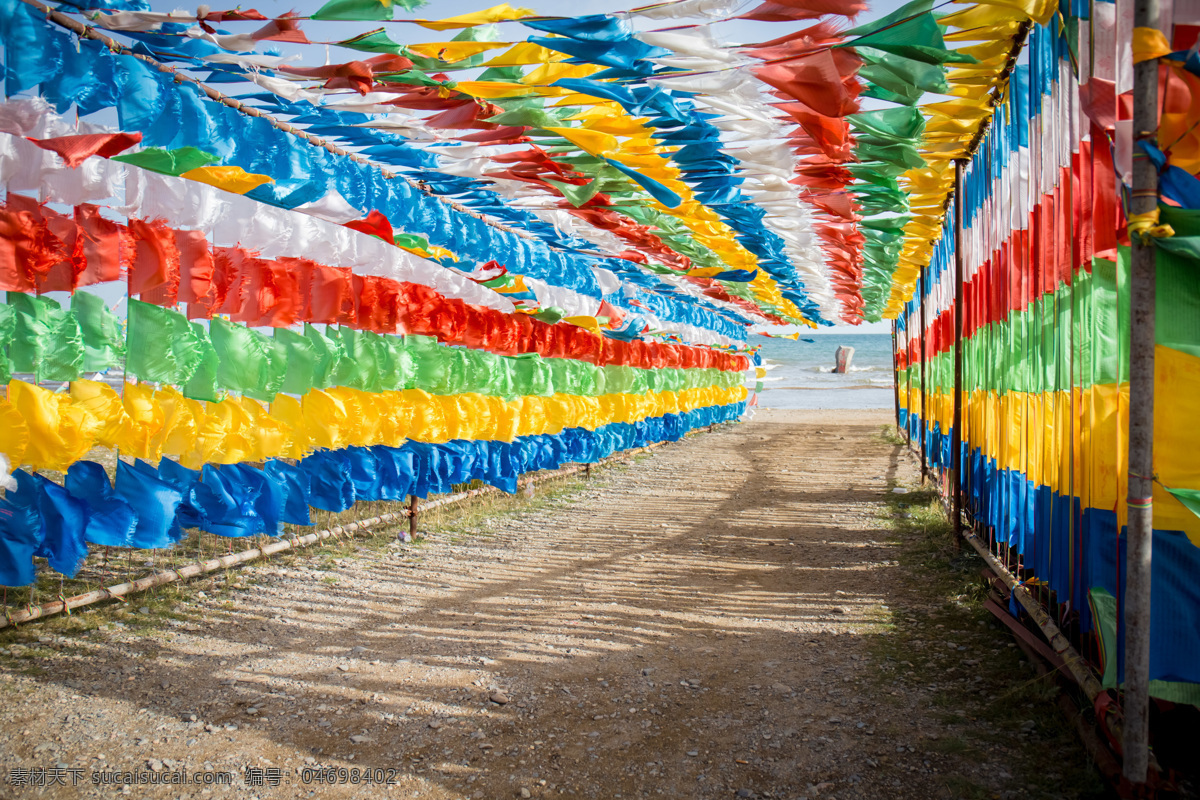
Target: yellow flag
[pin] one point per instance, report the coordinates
(525, 53)
(592, 142)
(1149, 43)
(56, 436)
(498, 13)
(14, 435)
(103, 404)
(453, 51)
(587, 323)
(231, 179)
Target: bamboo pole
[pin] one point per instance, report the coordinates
(1139, 547)
(199, 568)
(956, 430)
(1076, 665)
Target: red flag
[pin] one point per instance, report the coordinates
(326, 293)
(101, 240)
(195, 267)
(153, 258)
(27, 247)
(376, 224)
(817, 80)
(75, 149)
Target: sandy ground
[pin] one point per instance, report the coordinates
(702, 624)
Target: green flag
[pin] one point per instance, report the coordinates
(376, 41)
(162, 346)
(357, 369)
(8, 325)
(328, 353)
(45, 340)
(100, 329)
(169, 162)
(203, 383)
(899, 124)
(301, 361)
(248, 361)
(577, 195)
(1189, 497)
(910, 31)
(62, 358)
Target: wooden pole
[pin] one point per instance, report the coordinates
(895, 377)
(32, 612)
(1139, 547)
(924, 418)
(956, 430)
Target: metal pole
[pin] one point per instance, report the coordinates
(895, 377)
(924, 418)
(956, 431)
(1141, 419)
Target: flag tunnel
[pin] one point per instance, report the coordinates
(256, 268)
(1019, 327)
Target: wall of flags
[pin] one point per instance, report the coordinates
(268, 280)
(1045, 392)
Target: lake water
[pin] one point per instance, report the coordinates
(799, 373)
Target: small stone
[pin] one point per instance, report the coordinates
(745, 793)
(189, 716)
(498, 697)
(693, 753)
(358, 739)
(344, 667)
(782, 688)
(435, 724)
(252, 711)
(525, 792)
(155, 765)
(144, 610)
(358, 649)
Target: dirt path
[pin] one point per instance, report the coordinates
(702, 625)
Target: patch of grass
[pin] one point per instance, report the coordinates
(953, 745)
(988, 694)
(890, 434)
(966, 789)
